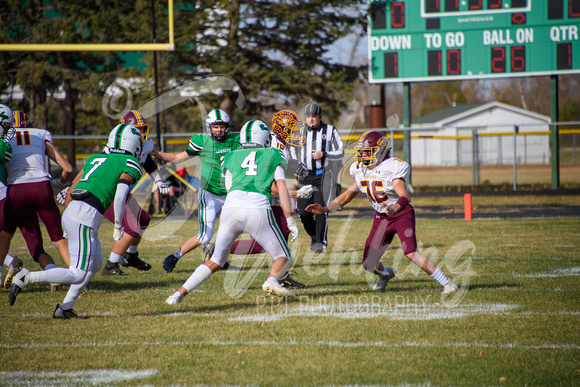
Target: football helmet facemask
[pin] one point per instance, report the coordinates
(255, 134)
(6, 122)
(375, 147)
(288, 128)
(136, 119)
(217, 117)
(125, 139)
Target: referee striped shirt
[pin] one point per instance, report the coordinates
(324, 138)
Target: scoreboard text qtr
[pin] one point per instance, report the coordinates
(425, 40)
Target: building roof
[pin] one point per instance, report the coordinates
(463, 111)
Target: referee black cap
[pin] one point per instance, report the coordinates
(313, 109)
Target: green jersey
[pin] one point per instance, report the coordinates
(253, 169)
(5, 155)
(102, 173)
(211, 155)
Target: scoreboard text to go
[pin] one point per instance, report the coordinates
(449, 39)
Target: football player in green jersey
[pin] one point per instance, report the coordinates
(211, 149)
(249, 176)
(105, 177)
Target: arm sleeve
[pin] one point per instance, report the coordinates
(228, 180)
(120, 201)
(149, 165)
(279, 173)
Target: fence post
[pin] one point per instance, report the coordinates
(515, 155)
(392, 142)
(475, 157)
(554, 145)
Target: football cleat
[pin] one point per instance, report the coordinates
(169, 263)
(174, 299)
(275, 289)
(16, 262)
(381, 284)
(19, 282)
(317, 247)
(208, 251)
(290, 283)
(62, 314)
(112, 269)
(449, 287)
(133, 260)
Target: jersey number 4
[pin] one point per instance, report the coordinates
(249, 164)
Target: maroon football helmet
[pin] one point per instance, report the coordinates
(21, 120)
(136, 119)
(375, 147)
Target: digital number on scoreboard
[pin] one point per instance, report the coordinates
(429, 40)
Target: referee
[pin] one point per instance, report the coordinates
(322, 142)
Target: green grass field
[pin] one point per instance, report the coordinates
(514, 322)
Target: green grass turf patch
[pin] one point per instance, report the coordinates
(515, 322)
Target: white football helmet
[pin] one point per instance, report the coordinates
(218, 116)
(255, 134)
(125, 139)
(6, 122)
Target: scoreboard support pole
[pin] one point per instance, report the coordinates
(377, 115)
(554, 140)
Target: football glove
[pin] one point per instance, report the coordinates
(293, 229)
(118, 233)
(61, 196)
(304, 192)
(301, 171)
(162, 187)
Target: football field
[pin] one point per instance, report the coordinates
(514, 321)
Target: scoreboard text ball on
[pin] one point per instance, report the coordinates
(429, 40)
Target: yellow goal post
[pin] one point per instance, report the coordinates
(98, 46)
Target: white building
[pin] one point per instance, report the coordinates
(445, 138)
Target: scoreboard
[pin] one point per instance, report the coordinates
(435, 40)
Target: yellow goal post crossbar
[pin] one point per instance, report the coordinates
(98, 46)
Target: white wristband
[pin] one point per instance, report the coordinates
(333, 206)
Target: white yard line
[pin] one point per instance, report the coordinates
(331, 343)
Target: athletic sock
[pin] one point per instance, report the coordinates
(384, 272)
(115, 258)
(197, 278)
(439, 277)
(273, 279)
(178, 254)
(132, 249)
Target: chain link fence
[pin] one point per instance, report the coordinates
(513, 158)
